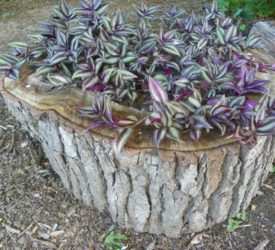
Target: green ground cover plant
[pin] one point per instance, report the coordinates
(115, 241)
(235, 223)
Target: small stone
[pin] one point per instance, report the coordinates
(55, 226)
(253, 207)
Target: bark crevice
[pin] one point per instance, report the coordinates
(147, 191)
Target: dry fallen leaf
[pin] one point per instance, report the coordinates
(197, 239)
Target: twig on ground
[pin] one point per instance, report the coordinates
(247, 225)
(2, 140)
(262, 245)
(11, 229)
(2, 127)
(26, 230)
(12, 142)
(3, 149)
(43, 242)
(269, 187)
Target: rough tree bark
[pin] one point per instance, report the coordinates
(266, 31)
(178, 191)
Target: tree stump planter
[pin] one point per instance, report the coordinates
(187, 188)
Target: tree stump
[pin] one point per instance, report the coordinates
(266, 31)
(186, 187)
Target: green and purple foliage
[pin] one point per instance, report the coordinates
(189, 75)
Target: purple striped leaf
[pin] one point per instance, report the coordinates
(119, 143)
(158, 93)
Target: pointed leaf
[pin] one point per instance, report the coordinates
(158, 93)
(121, 140)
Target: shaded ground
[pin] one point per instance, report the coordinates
(36, 212)
(31, 12)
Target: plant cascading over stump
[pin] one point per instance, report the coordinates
(186, 73)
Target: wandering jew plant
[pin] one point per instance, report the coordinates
(188, 75)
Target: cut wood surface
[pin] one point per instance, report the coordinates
(181, 192)
(65, 101)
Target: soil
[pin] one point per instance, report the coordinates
(36, 212)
